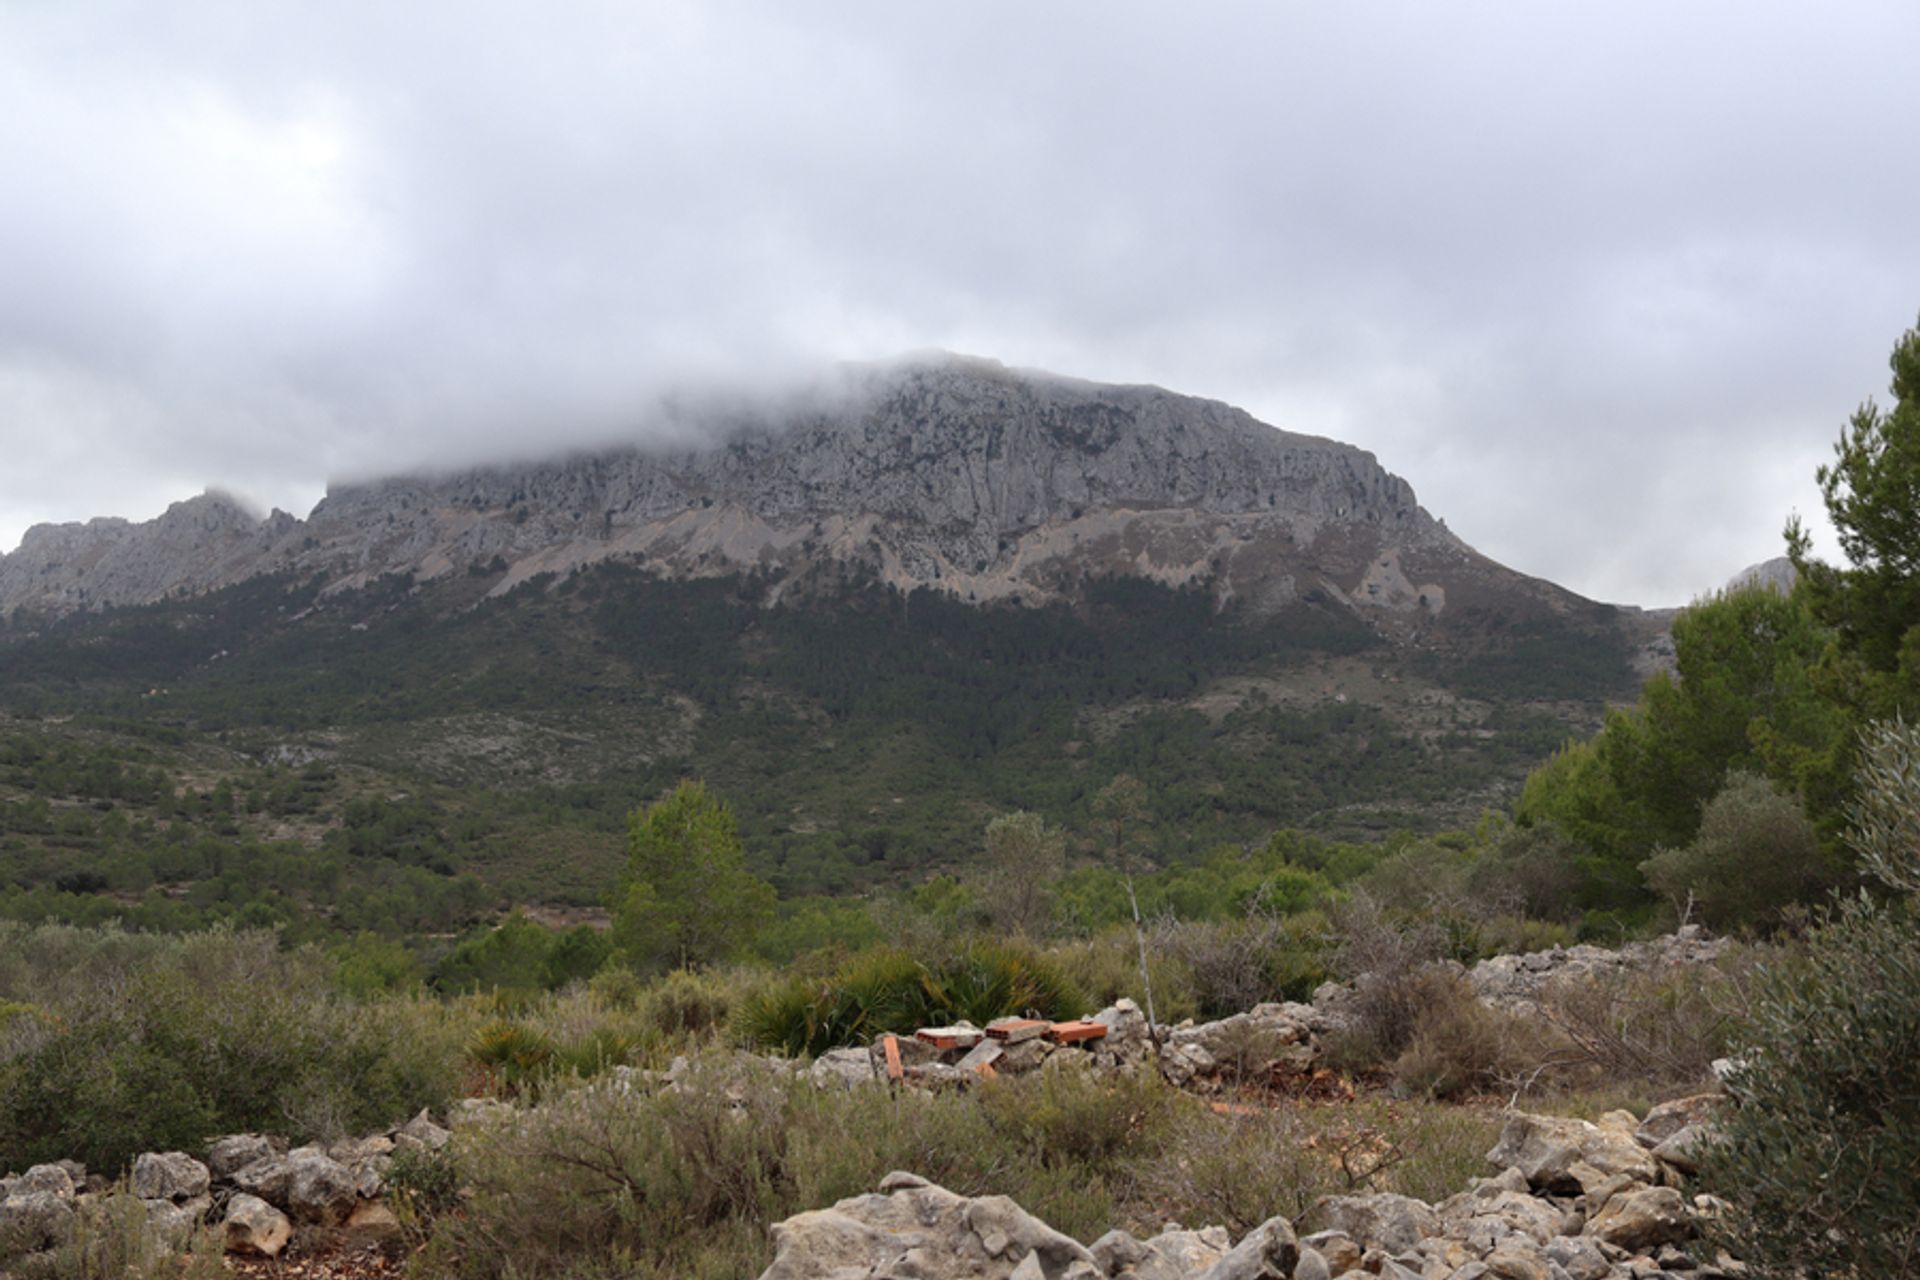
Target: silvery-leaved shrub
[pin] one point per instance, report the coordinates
(1820, 1162)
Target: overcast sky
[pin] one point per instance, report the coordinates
(1602, 281)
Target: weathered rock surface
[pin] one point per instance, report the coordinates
(1643, 1218)
(1391, 1222)
(171, 1175)
(916, 1228)
(253, 1226)
(175, 1221)
(1516, 982)
(1558, 1154)
(227, 1156)
(39, 1206)
(419, 1133)
(1669, 1118)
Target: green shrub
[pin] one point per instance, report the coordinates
(515, 1058)
(686, 1004)
(1458, 1045)
(1064, 1116)
(1756, 856)
(421, 1186)
(1818, 1163)
(890, 990)
(599, 1181)
(1382, 954)
(1235, 965)
(206, 1034)
(1107, 967)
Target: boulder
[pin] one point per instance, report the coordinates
(255, 1227)
(420, 1134)
(1268, 1252)
(1558, 1154)
(1496, 1208)
(352, 1151)
(319, 1189)
(36, 1219)
(374, 1220)
(985, 1054)
(1642, 1219)
(1670, 1118)
(1382, 1221)
(1311, 1266)
(1579, 1257)
(1126, 1025)
(174, 1222)
(172, 1176)
(1174, 1254)
(1339, 1249)
(842, 1068)
(1682, 1150)
(1028, 1055)
(1517, 1258)
(49, 1179)
(228, 1155)
(265, 1178)
(923, 1230)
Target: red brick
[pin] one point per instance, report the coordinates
(891, 1044)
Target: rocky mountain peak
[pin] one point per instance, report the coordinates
(936, 470)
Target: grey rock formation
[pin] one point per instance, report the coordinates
(1557, 1153)
(253, 1226)
(173, 1176)
(228, 1155)
(958, 474)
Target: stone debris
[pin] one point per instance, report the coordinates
(1279, 1042)
(250, 1189)
(1516, 982)
(1571, 1201)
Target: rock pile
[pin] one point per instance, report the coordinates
(1284, 1039)
(1573, 1201)
(1516, 982)
(251, 1187)
(1267, 1038)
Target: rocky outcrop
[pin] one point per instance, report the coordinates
(955, 474)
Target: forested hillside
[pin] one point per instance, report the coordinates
(408, 758)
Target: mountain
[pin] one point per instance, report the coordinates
(961, 475)
(872, 616)
(1777, 574)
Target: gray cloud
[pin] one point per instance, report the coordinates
(1602, 283)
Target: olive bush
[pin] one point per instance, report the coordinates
(1820, 1163)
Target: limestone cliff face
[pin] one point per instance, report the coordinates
(957, 474)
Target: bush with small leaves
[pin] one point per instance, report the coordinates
(1820, 1163)
(1756, 856)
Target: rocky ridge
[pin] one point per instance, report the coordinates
(956, 474)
